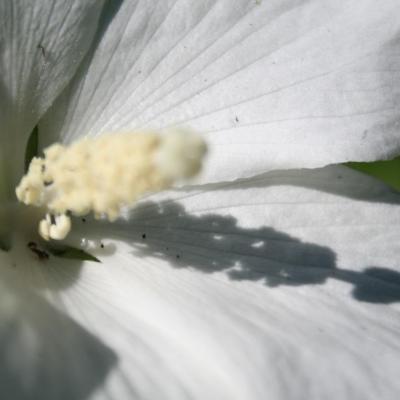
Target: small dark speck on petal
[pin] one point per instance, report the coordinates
(144, 236)
(42, 50)
(102, 245)
(236, 119)
(178, 256)
(83, 219)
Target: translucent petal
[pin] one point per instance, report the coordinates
(271, 84)
(42, 44)
(44, 353)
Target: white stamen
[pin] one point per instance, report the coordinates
(44, 229)
(105, 174)
(57, 229)
(61, 228)
(180, 155)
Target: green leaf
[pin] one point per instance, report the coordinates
(71, 253)
(31, 147)
(386, 171)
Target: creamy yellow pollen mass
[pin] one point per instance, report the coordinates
(102, 175)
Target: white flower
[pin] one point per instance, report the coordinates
(283, 285)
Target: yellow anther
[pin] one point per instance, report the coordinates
(104, 174)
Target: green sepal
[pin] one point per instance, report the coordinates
(32, 147)
(71, 253)
(387, 171)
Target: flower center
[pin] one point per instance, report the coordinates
(106, 174)
(16, 242)
(28, 261)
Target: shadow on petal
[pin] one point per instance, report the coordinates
(383, 286)
(44, 353)
(211, 243)
(338, 180)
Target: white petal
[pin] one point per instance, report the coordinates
(280, 84)
(44, 353)
(282, 287)
(43, 43)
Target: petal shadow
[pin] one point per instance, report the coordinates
(335, 179)
(211, 243)
(382, 287)
(44, 353)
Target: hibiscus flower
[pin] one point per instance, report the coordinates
(256, 281)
